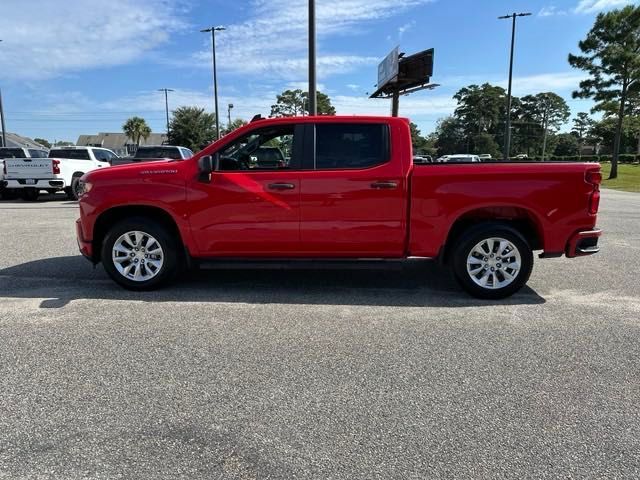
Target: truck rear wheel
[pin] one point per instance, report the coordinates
(74, 190)
(140, 254)
(492, 261)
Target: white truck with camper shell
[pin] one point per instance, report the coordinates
(60, 171)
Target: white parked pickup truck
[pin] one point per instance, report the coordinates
(16, 152)
(61, 171)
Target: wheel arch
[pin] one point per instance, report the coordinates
(523, 220)
(115, 214)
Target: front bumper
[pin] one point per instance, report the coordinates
(85, 246)
(40, 183)
(583, 243)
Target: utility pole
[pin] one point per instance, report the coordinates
(507, 134)
(395, 104)
(313, 103)
(4, 136)
(166, 104)
(229, 113)
(213, 31)
(545, 125)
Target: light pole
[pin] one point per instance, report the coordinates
(313, 105)
(229, 114)
(545, 125)
(507, 134)
(166, 106)
(213, 31)
(4, 136)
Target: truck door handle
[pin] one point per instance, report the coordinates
(281, 186)
(384, 185)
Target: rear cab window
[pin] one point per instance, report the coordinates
(12, 153)
(70, 154)
(351, 145)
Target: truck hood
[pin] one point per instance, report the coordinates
(133, 170)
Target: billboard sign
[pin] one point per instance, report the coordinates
(388, 69)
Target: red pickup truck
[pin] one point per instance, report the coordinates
(335, 188)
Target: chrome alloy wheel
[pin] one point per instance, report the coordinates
(494, 263)
(137, 256)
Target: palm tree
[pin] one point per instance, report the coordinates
(136, 128)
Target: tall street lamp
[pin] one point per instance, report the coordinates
(166, 106)
(4, 135)
(507, 134)
(229, 107)
(213, 31)
(313, 104)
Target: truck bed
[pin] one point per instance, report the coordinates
(552, 197)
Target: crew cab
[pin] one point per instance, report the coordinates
(151, 153)
(61, 171)
(16, 152)
(347, 190)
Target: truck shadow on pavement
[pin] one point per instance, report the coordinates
(64, 279)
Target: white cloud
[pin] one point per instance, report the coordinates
(304, 86)
(273, 41)
(545, 82)
(405, 28)
(560, 82)
(551, 11)
(416, 105)
(44, 38)
(592, 6)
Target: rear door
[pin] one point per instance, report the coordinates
(250, 209)
(352, 192)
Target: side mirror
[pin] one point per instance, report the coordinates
(207, 165)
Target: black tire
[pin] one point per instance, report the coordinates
(30, 194)
(69, 193)
(73, 193)
(475, 236)
(170, 249)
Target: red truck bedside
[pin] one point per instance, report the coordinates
(335, 188)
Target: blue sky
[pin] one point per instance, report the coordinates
(84, 66)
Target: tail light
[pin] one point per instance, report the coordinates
(56, 167)
(594, 177)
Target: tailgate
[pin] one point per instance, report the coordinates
(29, 168)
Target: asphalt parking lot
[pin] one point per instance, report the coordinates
(316, 374)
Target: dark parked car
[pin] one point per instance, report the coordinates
(153, 153)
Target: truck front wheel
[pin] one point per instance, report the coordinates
(140, 254)
(492, 261)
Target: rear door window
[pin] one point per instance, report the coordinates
(351, 145)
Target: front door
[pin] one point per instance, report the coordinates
(251, 207)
